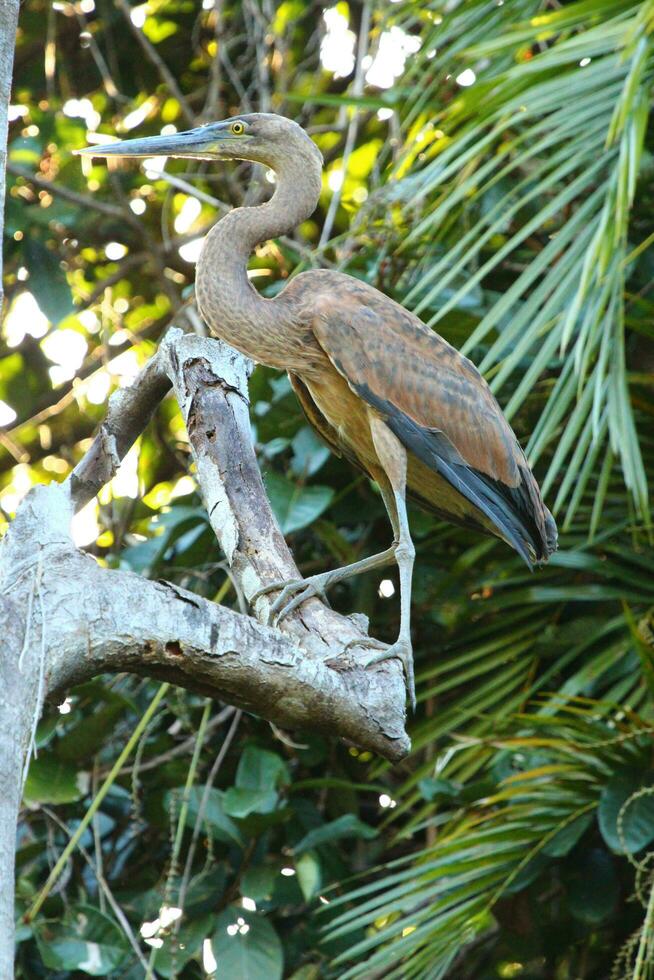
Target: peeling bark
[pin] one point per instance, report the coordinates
(65, 619)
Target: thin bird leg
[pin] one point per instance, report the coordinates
(317, 585)
(392, 457)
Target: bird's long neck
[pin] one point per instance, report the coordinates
(229, 303)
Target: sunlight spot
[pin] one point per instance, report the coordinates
(16, 111)
(466, 78)
(7, 414)
(138, 14)
(155, 943)
(169, 914)
(249, 904)
(208, 959)
(385, 113)
(232, 930)
(66, 707)
(87, 6)
(395, 46)
(55, 464)
(126, 482)
(154, 167)
(288, 872)
(584, 62)
(66, 349)
(325, 901)
(387, 802)
(335, 179)
(408, 930)
(168, 129)
(386, 589)
(82, 109)
(337, 46)
(84, 526)
(190, 252)
(189, 213)
(138, 115)
(14, 492)
(115, 251)
(138, 205)
(125, 367)
(24, 317)
(97, 388)
(184, 486)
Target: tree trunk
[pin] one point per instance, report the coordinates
(15, 694)
(8, 22)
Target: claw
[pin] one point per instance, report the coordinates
(401, 650)
(301, 589)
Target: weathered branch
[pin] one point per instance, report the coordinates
(65, 619)
(93, 625)
(130, 410)
(174, 634)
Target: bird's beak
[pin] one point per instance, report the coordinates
(205, 143)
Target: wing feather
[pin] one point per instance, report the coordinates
(439, 406)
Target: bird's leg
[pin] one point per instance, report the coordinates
(292, 594)
(392, 456)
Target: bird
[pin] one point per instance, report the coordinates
(379, 386)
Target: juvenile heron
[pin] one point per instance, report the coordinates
(379, 386)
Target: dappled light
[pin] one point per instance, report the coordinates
(487, 166)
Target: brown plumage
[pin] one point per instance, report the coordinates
(379, 386)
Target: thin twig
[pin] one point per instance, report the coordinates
(82, 200)
(104, 887)
(199, 820)
(95, 805)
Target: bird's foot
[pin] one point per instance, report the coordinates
(293, 593)
(401, 650)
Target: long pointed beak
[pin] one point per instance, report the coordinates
(203, 143)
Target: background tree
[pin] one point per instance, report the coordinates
(489, 165)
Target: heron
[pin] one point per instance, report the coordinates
(379, 386)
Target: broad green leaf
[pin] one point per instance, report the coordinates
(51, 780)
(47, 281)
(348, 825)
(217, 822)
(309, 453)
(296, 507)
(563, 842)
(260, 769)
(635, 818)
(309, 874)
(86, 940)
(258, 881)
(246, 946)
(240, 803)
(180, 948)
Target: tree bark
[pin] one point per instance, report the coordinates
(15, 694)
(8, 23)
(66, 619)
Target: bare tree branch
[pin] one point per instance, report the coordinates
(65, 619)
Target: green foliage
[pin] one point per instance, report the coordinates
(515, 215)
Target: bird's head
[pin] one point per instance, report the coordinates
(262, 137)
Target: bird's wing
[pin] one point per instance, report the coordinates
(439, 406)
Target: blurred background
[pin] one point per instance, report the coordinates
(488, 164)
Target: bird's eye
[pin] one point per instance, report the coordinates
(237, 128)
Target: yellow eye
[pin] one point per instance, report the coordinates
(237, 128)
